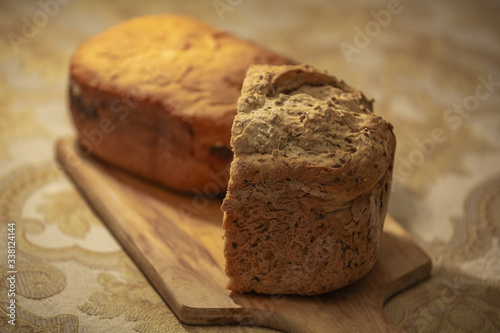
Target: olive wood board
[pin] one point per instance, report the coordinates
(177, 242)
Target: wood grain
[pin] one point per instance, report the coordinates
(177, 242)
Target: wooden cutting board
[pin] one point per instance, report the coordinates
(177, 242)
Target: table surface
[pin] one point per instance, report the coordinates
(432, 67)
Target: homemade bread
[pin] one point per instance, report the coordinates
(156, 96)
(309, 183)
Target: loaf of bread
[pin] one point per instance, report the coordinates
(309, 183)
(156, 96)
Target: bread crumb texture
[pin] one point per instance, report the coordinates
(309, 183)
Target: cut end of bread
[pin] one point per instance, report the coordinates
(309, 183)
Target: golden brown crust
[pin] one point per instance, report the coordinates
(309, 183)
(156, 96)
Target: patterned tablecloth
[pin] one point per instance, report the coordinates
(432, 67)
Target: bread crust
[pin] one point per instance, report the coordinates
(156, 96)
(309, 183)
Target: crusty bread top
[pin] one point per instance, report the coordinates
(311, 123)
(195, 69)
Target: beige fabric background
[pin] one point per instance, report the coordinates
(427, 65)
